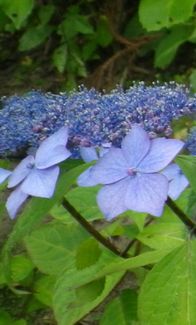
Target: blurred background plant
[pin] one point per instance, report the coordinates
(56, 45)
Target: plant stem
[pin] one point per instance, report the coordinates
(181, 215)
(90, 229)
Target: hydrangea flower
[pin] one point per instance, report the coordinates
(131, 174)
(177, 180)
(37, 176)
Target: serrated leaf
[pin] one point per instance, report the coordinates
(155, 15)
(59, 58)
(188, 166)
(168, 293)
(33, 37)
(121, 310)
(53, 247)
(17, 10)
(169, 44)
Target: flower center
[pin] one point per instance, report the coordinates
(131, 171)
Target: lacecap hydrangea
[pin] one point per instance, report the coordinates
(191, 141)
(93, 118)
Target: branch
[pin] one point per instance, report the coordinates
(181, 215)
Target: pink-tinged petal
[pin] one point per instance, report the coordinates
(21, 171)
(53, 150)
(40, 182)
(111, 199)
(111, 168)
(86, 179)
(14, 202)
(161, 153)
(171, 171)
(135, 146)
(4, 174)
(147, 193)
(177, 186)
(88, 154)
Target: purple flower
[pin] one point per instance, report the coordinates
(131, 175)
(177, 180)
(4, 174)
(37, 176)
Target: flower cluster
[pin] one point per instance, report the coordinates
(93, 118)
(191, 141)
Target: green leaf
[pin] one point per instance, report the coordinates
(43, 289)
(75, 295)
(188, 166)
(88, 253)
(17, 10)
(33, 37)
(164, 235)
(169, 44)
(74, 24)
(45, 13)
(103, 33)
(59, 58)
(84, 200)
(53, 247)
(155, 15)
(168, 294)
(121, 310)
(21, 267)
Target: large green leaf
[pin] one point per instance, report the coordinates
(17, 10)
(188, 166)
(168, 294)
(168, 46)
(121, 310)
(158, 14)
(53, 247)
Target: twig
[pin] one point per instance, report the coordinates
(182, 216)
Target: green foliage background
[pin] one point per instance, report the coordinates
(56, 45)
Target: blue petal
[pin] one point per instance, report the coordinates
(40, 182)
(14, 201)
(178, 181)
(161, 153)
(86, 179)
(147, 193)
(171, 171)
(88, 154)
(135, 146)
(53, 150)
(111, 199)
(4, 174)
(21, 171)
(110, 168)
